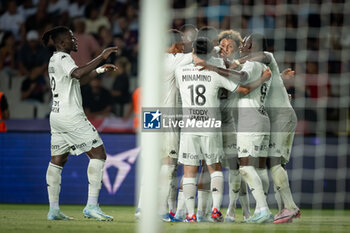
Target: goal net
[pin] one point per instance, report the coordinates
(313, 39)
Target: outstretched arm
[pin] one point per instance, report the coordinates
(107, 67)
(82, 71)
(246, 89)
(237, 76)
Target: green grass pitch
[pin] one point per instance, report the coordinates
(32, 218)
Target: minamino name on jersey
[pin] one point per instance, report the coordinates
(196, 77)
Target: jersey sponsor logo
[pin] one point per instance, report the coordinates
(209, 156)
(55, 147)
(189, 156)
(152, 120)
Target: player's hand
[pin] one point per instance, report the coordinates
(109, 67)
(205, 66)
(266, 75)
(108, 51)
(288, 74)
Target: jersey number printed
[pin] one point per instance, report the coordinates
(53, 83)
(263, 91)
(199, 99)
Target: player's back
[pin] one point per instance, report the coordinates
(277, 101)
(67, 107)
(199, 91)
(172, 61)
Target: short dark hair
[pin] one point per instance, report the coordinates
(175, 36)
(209, 32)
(202, 47)
(54, 33)
(259, 41)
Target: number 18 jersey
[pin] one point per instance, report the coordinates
(199, 91)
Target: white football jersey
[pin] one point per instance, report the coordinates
(67, 110)
(252, 116)
(199, 91)
(169, 90)
(277, 97)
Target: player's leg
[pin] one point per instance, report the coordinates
(53, 180)
(262, 172)
(244, 200)
(279, 155)
(59, 156)
(217, 190)
(212, 148)
(203, 192)
(248, 153)
(181, 211)
(189, 191)
(166, 174)
(234, 187)
(190, 156)
(173, 193)
(95, 174)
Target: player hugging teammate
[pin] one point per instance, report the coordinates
(258, 126)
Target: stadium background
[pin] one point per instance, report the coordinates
(312, 37)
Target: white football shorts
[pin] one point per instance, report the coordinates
(194, 148)
(76, 142)
(252, 144)
(170, 143)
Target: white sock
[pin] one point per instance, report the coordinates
(264, 177)
(189, 189)
(280, 179)
(278, 199)
(234, 188)
(244, 199)
(166, 172)
(203, 196)
(95, 174)
(181, 208)
(173, 192)
(250, 176)
(217, 188)
(53, 180)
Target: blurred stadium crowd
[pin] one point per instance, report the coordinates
(312, 37)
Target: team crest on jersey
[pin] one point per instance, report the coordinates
(152, 120)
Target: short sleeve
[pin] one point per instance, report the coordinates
(183, 58)
(68, 64)
(227, 83)
(248, 67)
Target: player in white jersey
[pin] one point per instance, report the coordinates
(200, 102)
(230, 40)
(283, 123)
(253, 131)
(174, 58)
(71, 132)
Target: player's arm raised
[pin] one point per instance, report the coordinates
(236, 76)
(88, 71)
(246, 89)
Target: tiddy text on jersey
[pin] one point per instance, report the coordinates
(55, 106)
(196, 77)
(199, 114)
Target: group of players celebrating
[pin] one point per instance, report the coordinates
(211, 70)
